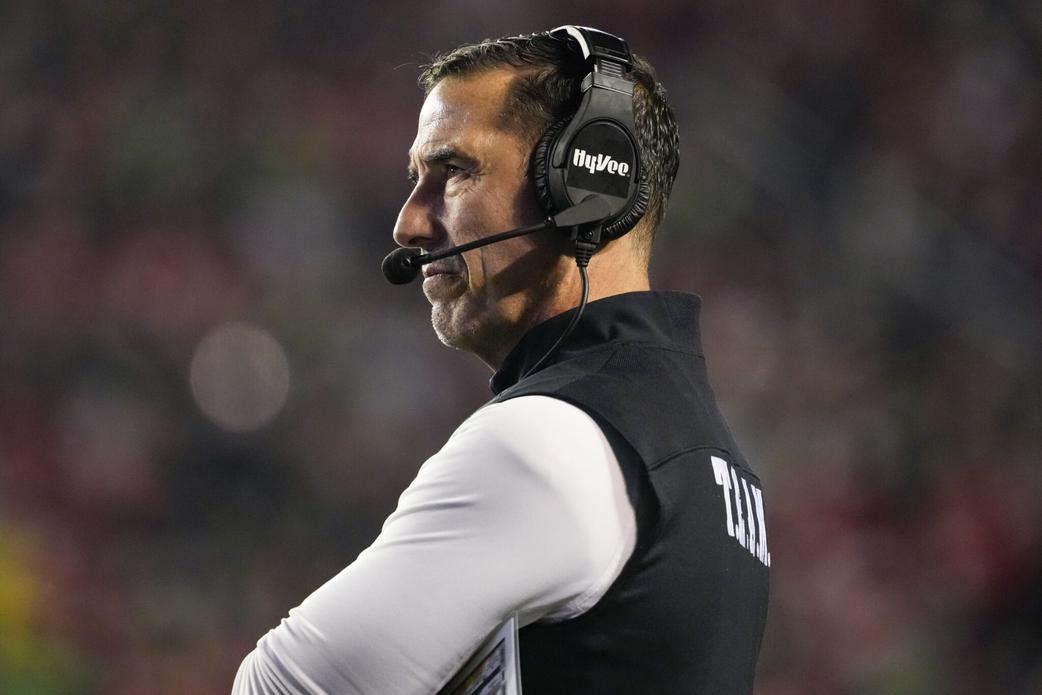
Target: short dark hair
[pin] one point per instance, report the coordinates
(546, 90)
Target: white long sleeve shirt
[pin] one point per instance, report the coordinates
(523, 510)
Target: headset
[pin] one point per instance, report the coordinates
(586, 168)
(595, 151)
(587, 171)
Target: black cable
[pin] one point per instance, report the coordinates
(582, 257)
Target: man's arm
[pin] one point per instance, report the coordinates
(523, 510)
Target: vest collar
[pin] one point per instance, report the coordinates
(667, 319)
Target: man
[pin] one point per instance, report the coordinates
(599, 497)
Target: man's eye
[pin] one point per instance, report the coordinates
(453, 170)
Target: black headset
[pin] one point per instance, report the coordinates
(586, 168)
(595, 151)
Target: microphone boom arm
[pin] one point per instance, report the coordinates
(423, 259)
(593, 208)
(403, 264)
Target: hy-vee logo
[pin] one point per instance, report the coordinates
(599, 162)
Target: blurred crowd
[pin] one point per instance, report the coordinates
(210, 399)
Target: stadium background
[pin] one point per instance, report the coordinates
(210, 398)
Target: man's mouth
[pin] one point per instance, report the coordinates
(436, 268)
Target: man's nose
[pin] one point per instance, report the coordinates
(417, 224)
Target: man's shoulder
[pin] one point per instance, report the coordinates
(532, 437)
(656, 396)
(526, 420)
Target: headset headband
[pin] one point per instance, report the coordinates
(601, 45)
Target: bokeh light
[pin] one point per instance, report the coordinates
(240, 376)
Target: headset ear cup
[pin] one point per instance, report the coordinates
(540, 172)
(629, 218)
(540, 164)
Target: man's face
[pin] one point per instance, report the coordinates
(470, 182)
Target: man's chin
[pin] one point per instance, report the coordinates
(445, 327)
(456, 325)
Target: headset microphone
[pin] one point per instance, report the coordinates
(402, 265)
(397, 265)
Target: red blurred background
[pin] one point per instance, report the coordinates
(210, 399)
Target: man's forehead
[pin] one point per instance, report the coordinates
(459, 107)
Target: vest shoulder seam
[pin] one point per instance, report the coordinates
(613, 348)
(658, 346)
(669, 457)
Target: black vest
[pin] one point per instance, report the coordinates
(687, 613)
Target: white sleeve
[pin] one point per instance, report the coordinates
(523, 510)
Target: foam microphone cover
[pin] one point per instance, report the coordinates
(397, 265)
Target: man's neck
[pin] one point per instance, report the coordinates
(614, 269)
(565, 298)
